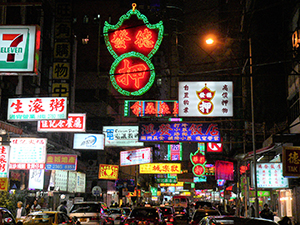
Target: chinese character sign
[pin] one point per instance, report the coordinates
(4, 154)
(3, 183)
(61, 162)
(74, 123)
(33, 109)
(136, 156)
(27, 153)
(148, 108)
(110, 172)
(181, 131)
(132, 42)
(205, 99)
(291, 161)
(160, 168)
(19, 48)
(269, 175)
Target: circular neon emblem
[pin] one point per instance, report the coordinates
(132, 74)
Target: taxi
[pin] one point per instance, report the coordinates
(48, 218)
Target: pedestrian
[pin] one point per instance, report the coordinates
(63, 207)
(35, 206)
(285, 221)
(20, 212)
(27, 208)
(267, 213)
(252, 211)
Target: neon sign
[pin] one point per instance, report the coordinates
(149, 108)
(132, 42)
(198, 160)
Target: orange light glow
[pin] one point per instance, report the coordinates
(209, 41)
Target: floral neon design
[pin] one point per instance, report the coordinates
(144, 39)
(120, 38)
(136, 73)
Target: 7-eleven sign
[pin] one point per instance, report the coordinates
(19, 46)
(214, 147)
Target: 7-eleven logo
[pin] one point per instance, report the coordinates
(10, 48)
(15, 40)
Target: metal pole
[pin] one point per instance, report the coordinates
(253, 131)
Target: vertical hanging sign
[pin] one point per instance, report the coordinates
(132, 42)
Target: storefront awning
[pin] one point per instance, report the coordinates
(249, 155)
(10, 128)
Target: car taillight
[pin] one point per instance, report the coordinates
(171, 219)
(182, 212)
(94, 218)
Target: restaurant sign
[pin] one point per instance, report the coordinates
(160, 168)
(179, 131)
(33, 109)
(269, 175)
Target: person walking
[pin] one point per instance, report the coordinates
(20, 212)
(267, 213)
(35, 206)
(63, 207)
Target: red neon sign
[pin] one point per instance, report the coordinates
(132, 74)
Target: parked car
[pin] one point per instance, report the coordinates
(234, 220)
(48, 217)
(181, 215)
(168, 213)
(145, 216)
(200, 213)
(118, 215)
(7, 217)
(92, 213)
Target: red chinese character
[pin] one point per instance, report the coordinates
(174, 169)
(2, 150)
(196, 129)
(2, 184)
(119, 39)
(2, 159)
(18, 106)
(136, 108)
(144, 39)
(175, 109)
(57, 105)
(148, 129)
(164, 109)
(156, 168)
(36, 106)
(2, 167)
(164, 129)
(225, 87)
(150, 108)
(135, 73)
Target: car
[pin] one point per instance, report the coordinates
(118, 215)
(47, 217)
(181, 215)
(168, 213)
(7, 217)
(92, 213)
(200, 213)
(234, 220)
(145, 216)
(127, 211)
(203, 204)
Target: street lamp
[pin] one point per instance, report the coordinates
(210, 41)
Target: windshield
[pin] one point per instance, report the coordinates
(145, 213)
(82, 208)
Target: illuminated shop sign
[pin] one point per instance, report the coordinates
(3, 183)
(200, 179)
(74, 123)
(89, 141)
(198, 160)
(61, 162)
(205, 99)
(132, 42)
(175, 152)
(122, 136)
(27, 153)
(110, 172)
(178, 184)
(214, 147)
(269, 175)
(136, 157)
(19, 48)
(168, 132)
(291, 161)
(33, 109)
(166, 180)
(36, 179)
(160, 168)
(4, 156)
(148, 108)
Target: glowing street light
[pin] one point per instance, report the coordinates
(209, 41)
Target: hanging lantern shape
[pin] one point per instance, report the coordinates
(132, 42)
(199, 161)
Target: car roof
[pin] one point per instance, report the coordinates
(44, 212)
(242, 220)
